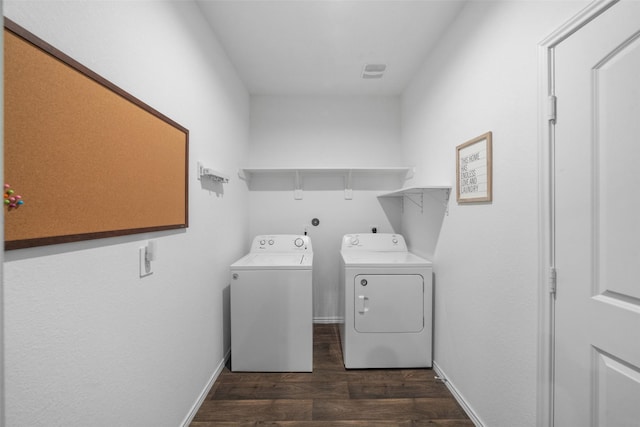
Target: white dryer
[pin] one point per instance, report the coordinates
(386, 302)
(272, 306)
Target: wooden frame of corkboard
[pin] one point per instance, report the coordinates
(89, 159)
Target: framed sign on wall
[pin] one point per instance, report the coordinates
(474, 170)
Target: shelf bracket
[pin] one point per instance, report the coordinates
(419, 204)
(297, 191)
(348, 186)
(446, 201)
(447, 194)
(244, 175)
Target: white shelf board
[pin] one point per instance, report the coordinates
(416, 194)
(297, 174)
(415, 190)
(247, 173)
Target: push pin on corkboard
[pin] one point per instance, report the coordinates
(11, 199)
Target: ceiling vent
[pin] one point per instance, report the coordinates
(373, 71)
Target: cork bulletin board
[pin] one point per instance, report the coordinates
(88, 159)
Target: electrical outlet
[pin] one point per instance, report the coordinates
(145, 264)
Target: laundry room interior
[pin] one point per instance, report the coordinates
(311, 151)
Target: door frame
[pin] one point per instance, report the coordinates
(546, 203)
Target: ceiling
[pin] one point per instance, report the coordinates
(321, 46)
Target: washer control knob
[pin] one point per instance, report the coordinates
(364, 282)
(270, 241)
(395, 241)
(298, 242)
(262, 242)
(354, 241)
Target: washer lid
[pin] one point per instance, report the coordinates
(383, 259)
(274, 261)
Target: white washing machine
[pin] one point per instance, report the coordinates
(272, 306)
(386, 302)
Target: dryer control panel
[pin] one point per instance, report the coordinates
(374, 242)
(281, 243)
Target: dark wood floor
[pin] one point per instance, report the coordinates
(331, 395)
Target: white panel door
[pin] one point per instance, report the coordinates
(597, 220)
(389, 303)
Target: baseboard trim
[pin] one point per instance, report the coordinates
(329, 319)
(194, 409)
(456, 394)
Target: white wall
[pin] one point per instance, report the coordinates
(483, 77)
(317, 131)
(89, 342)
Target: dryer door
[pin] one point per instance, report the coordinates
(389, 303)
